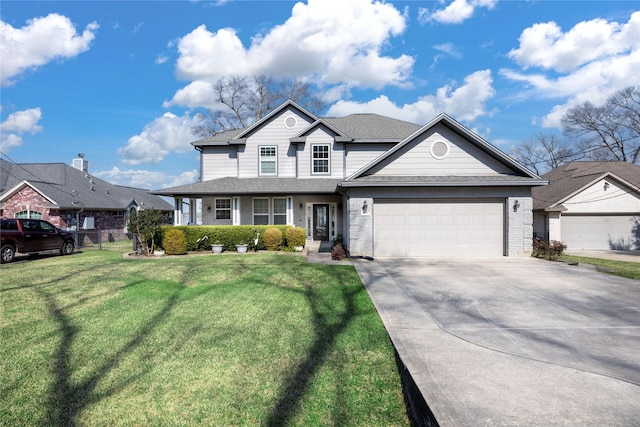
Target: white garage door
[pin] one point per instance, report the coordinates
(432, 229)
(599, 232)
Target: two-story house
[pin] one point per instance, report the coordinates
(389, 187)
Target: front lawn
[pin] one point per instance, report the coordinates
(255, 339)
(630, 270)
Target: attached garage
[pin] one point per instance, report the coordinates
(422, 228)
(599, 232)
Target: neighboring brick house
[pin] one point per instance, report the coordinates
(70, 198)
(389, 187)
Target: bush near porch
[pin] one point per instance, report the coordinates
(227, 235)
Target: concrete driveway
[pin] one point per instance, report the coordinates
(513, 341)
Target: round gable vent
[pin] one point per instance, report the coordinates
(290, 122)
(439, 150)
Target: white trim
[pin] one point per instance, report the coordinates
(295, 122)
(260, 160)
(313, 159)
(439, 157)
(332, 219)
(216, 209)
(235, 214)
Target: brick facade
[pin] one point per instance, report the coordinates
(110, 223)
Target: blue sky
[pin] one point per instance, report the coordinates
(122, 82)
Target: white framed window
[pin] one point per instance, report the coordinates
(320, 158)
(269, 160)
(279, 210)
(28, 214)
(261, 211)
(223, 208)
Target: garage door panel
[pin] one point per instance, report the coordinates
(599, 232)
(440, 228)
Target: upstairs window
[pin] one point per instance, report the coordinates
(268, 160)
(223, 208)
(320, 158)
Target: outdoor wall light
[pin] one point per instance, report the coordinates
(208, 208)
(365, 207)
(300, 206)
(516, 205)
(606, 186)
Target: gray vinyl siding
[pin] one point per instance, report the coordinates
(463, 159)
(358, 155)
(273, 133)
(336, 156)
(219, 162)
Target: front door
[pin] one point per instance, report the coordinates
(320, 222)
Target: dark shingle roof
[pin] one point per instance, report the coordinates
(373, 127)
(262, 185)
(359, 127)
(567, 179)
(68, 187)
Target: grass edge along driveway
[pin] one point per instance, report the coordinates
(258, 339)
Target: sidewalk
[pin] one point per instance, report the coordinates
(320, 253)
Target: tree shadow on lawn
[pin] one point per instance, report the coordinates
(328, 324)
(67, 399)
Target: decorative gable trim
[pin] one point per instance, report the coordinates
(338, 135)
(10, 193)
(245, 133)
(461, 130)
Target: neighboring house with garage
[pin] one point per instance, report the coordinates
(389, 187)
(590, 206)
(71, 198)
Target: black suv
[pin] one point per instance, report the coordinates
(32, 236)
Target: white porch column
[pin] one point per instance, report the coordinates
(235, 212)
(177, 212)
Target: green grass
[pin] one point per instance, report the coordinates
(630, 270)
(256, 339)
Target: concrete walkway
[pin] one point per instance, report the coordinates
(512, 341)
(320, 253)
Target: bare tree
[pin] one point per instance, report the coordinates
(543, 153)
(609, 132)
(246, 100)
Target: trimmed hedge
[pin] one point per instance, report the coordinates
(295, 236)
(174, 242)
(272, 238)
(228, 235)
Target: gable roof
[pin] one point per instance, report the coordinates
(67, 187)
(354, 128)
(521, 171)
(238, 136)
(574, 177)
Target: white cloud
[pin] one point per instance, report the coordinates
(16, 124)
(589, 62)
(546, 46)
(164, 135)
(465, 103)
(141, 178)
(331, 41)
(456, 12)
(41, 41)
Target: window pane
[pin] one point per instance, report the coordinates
(279, 206)
(261, 206)
(267, 167)
(223, 203)
(320, 158)
(279, 219)
(261, 219)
